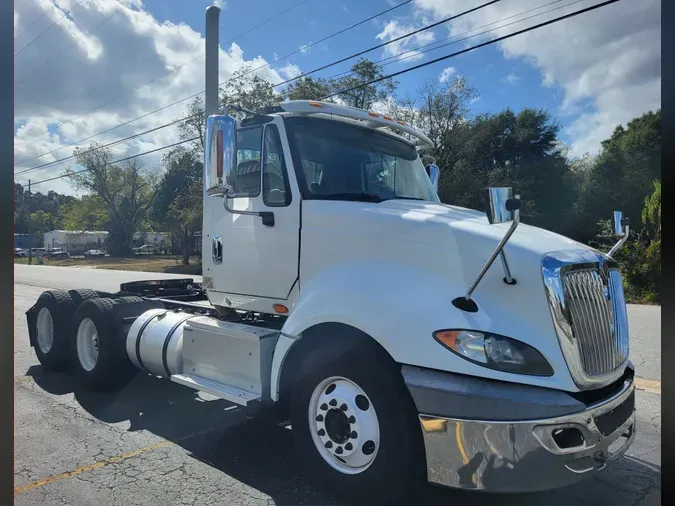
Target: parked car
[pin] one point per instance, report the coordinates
(146, 249)
(57, 253)
(93, 253)
(20, 252)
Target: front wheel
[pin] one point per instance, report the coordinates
(355, 425)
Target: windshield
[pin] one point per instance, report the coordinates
(341, 161)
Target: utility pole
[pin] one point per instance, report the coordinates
(30, 237)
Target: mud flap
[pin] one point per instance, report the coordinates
(31, 316)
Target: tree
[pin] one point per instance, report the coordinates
(88, 213)
(249, 90)
(178, 204)
(364, 71)
(622, 174)
(126, 189)
(309, 88)
(194, 124)
(41, 222)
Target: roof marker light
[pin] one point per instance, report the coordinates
(315, 104)
(373, 114)
(388, 118)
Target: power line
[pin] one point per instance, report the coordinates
(53, 57)
(49, 27)
(410, 69)
(273, 86)
(477, 46)
(339, 32)
(332, 77)
(25, 30)
(116, 161)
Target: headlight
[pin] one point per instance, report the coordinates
(494, 351)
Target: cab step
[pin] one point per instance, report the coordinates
(227, 392)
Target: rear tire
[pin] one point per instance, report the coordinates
(99, 361)
(79, 296)
(128, 300)
(53, 329)
(366, 446)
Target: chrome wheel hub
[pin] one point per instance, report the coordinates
(87, 344)
(45, 330)
(344, 425)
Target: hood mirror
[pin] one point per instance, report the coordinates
(621, 229)
(501, 206)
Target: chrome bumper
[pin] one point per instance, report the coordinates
(531, 455)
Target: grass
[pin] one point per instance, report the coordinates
(170, 265)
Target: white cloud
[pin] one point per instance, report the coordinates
(393, 29)
(609, 58)
(220, 3)
(290, 70)
(447, 73)
(56, 92)
(511, 79)
(305, 48)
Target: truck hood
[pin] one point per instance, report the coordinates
(467, 222)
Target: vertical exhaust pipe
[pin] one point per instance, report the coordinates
(211, 74)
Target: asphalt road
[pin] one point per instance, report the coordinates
(157, 443)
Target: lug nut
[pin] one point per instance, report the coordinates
(353, 434)
(333, 402)
(319, 418)
(348, 447)
(343, 407)
(323, 407)
(321, 432)
(368, 447)
(328, 444)
(338, 450)
(352, 419)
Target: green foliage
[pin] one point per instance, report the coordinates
(126, 189)
(178, 204)
(308, 88)
(88, 213)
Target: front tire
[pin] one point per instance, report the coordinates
(355, 425)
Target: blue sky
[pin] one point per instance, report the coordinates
(592, 72)
(486, 68)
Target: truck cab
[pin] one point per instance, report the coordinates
(405, 339)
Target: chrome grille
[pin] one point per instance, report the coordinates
(598, 314)
(587, 303)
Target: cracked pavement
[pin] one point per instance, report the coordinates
(158, 443)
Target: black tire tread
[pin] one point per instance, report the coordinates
(113, 366)
(401, 466)
(82, 294)
(132, 299)
(62, 308)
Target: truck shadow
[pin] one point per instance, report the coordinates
(252, 446)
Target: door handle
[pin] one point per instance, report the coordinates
(217, 249)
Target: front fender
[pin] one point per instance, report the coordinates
(400, 307)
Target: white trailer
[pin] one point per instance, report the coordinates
(337, 286)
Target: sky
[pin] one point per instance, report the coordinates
(83, 67)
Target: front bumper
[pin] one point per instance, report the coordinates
(529, 455)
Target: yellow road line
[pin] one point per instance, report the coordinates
(84, 469)
(651, 386)
(103, 463)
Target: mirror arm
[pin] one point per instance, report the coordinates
(267, 216)
(621, 242)
(493, 256)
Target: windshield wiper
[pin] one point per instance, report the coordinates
(358, 197)
(407, 198)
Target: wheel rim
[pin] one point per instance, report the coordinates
(45, 330)
(87, 344)
(344, 425)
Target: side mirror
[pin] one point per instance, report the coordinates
(501, 206)
(621, 229)
(219, 154)
(434, 173)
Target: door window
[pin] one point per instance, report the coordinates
(276, 190)
(245, 178)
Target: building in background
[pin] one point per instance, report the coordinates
(75, 242)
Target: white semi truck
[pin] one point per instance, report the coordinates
(338, 287)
